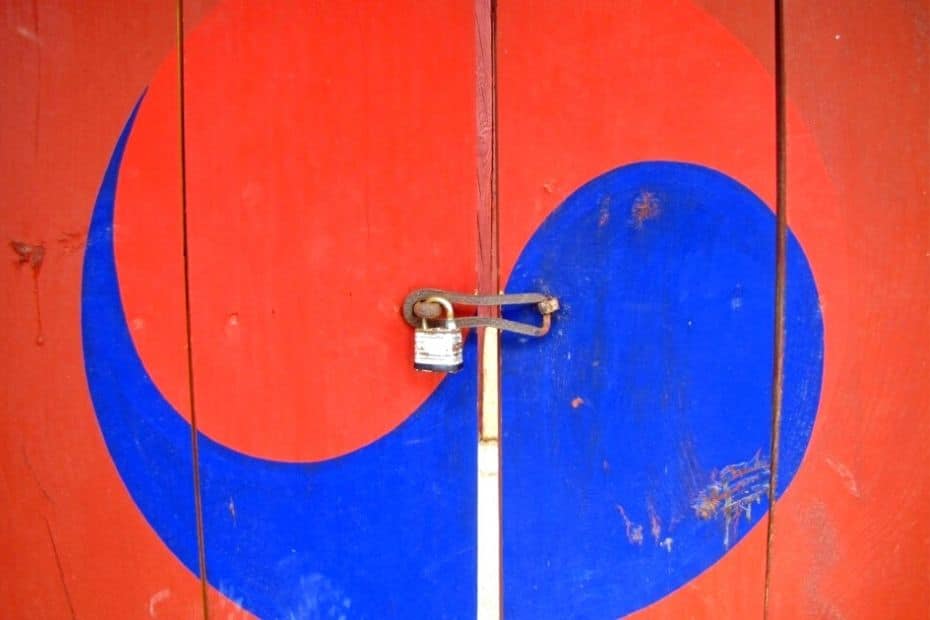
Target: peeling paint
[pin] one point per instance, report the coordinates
(320, 598)
(32, 255)
(28, 34)
(849, 481)
(157, 598)
(645, 207)
(71, 242)
(655, 523)
(604, 211)
(731, 493)
(634, 531)
(230, 603)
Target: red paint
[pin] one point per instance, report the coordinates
(72, 538)
(584, 87)
(860, 79)
(327, 176)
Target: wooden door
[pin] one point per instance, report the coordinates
(208, 403)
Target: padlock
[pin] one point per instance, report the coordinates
(438, 349)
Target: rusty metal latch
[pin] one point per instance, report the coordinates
(419, 307)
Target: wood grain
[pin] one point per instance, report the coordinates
(70, 532)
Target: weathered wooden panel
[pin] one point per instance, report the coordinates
(631, 411)
(330, 168)
(636, 436)
(75, 544)
(851, 538)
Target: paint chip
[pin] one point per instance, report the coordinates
(157, 598)
(634, 531)
(731, 493)
(645, 208)
(849, 481)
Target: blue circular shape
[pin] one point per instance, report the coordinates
(637, 433)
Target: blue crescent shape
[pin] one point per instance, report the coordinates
(387, 531)
(637, 433)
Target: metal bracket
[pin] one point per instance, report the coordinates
(416, 308)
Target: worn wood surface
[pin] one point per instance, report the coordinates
(585, 88)
(75, 544)
(337, 155)
(860, 82)
(319, 191)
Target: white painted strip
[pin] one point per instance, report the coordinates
(490, 385)
(489, 506)
(489, 533)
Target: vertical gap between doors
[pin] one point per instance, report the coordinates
(489, 501)
(781, 230)
(195, 453)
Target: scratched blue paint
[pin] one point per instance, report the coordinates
(656, 376)
(385, 532)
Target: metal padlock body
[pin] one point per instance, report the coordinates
(438, 349)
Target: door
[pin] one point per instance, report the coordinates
(209, 401)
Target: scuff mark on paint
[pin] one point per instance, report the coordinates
(320, 598)
(732, 491)
(157, 598)
(29, 35)
(29, 254)
(71, 242)
(645, 207)
(32, 255)
(230, 602)
(605, 212)
(655, 523)
(231, 506)
(667, 543)
(577, 402)
(849, 481)
(736, 300)
(634, 531)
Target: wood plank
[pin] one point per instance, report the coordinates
(850, 539)
(636, 435)
(331, 168)
(70, 77)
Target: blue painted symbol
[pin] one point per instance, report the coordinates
(387, 531)
(636, 434)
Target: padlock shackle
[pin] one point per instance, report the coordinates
(446, 305)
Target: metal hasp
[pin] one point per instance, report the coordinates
(439, 348)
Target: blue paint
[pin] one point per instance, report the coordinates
(385, 532)
(656, 376)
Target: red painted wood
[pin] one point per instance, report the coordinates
(851, 538)
(339, 176)
(74, 543)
